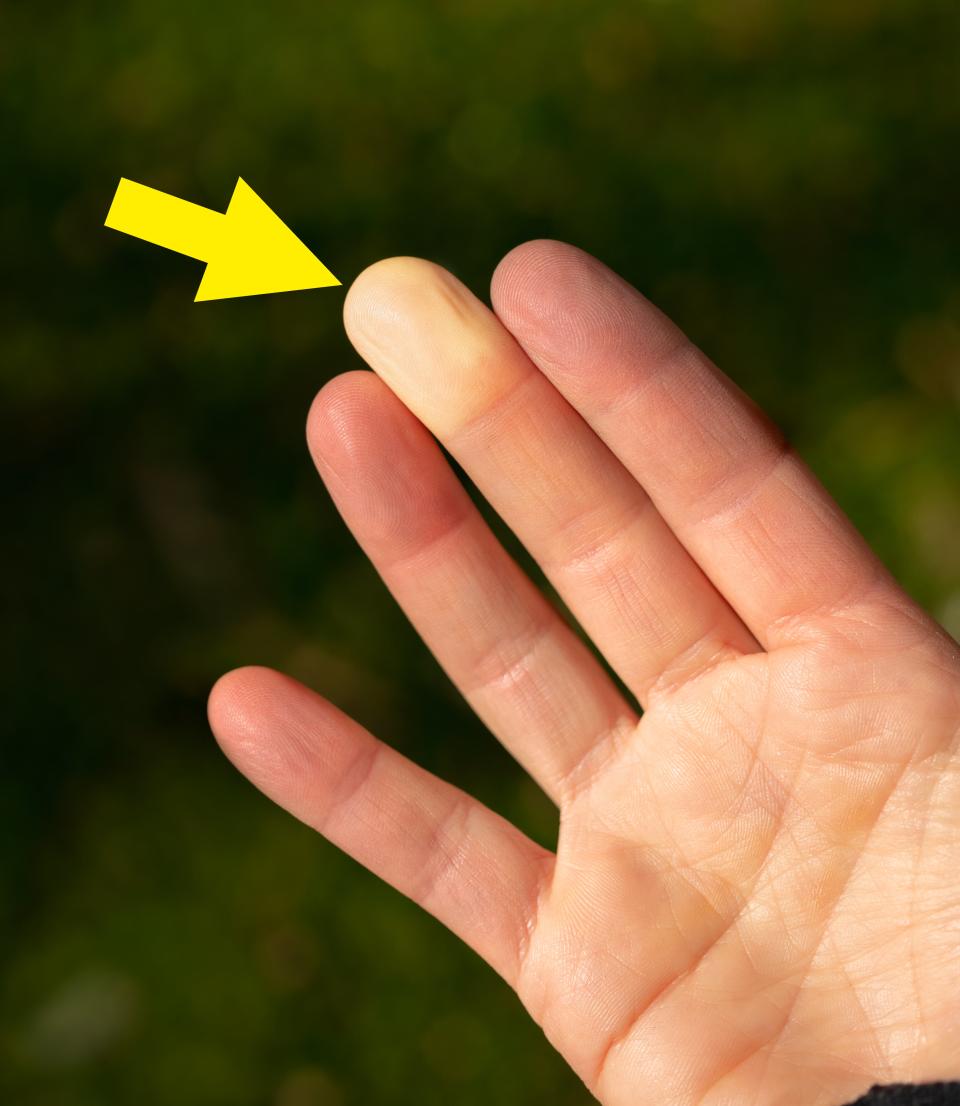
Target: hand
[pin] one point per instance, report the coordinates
(754, 897)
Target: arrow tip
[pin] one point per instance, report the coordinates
(259, 253)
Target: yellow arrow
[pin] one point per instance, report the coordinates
(248, 251)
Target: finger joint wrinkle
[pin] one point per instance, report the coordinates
(719, 502)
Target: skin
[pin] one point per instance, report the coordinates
(754, 896)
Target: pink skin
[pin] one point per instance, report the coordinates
(753, 899)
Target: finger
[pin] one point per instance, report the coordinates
(529, 678)
(590, 526)
(750, 512)
(467, 866)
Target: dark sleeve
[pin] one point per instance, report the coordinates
(912, 1094)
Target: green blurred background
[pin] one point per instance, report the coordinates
(781, 177)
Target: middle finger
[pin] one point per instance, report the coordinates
(588, 523)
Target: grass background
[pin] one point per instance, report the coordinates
(782, 178)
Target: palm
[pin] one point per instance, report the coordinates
(757, 913)
(751, 898)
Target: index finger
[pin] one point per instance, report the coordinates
(747, 508)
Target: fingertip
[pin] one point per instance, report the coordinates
(388, 292)
(381, 466)
(537, 256)
(360, 435)
(439, 348)
(272, 729)
(239, 709)
(339, 417)
(235, 703)
(562, 304)
(525, 275)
